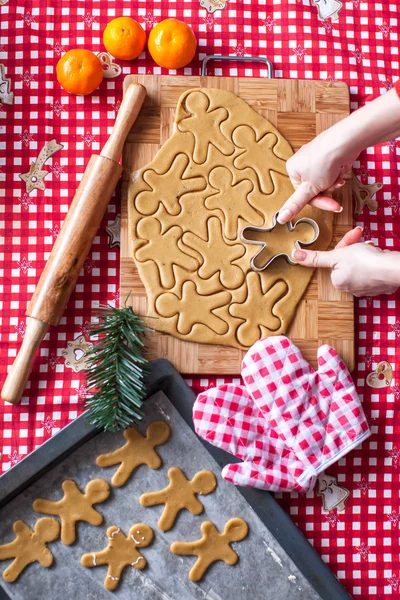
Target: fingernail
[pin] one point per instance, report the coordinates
(299, 255)
(284, 216)
(359, 227)
(340, 210)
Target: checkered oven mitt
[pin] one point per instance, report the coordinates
(316, 416)
(228, 418)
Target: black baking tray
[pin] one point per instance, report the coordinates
(163, 376)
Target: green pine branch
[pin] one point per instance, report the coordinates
(116, 369)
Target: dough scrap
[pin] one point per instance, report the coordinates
(222, 169)
(213, 546)
(138, 450)
(75, 506)
(29, 546)
(180, 494)
(121, 552)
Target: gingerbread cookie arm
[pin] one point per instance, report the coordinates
(46, 507)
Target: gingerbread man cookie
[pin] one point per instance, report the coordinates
(180, 494)
(75, 506)
(121, 552)
(204, 125)
(212, 546)
(138, 450)
(29, 546)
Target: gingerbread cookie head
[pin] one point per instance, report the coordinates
(204, 482)
(141, 534)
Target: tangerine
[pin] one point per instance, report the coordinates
(172, 44)
(124, 38)
(79, 72)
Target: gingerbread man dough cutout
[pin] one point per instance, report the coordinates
(138, 450)
(259, 155)
(205, 126)
(217, 255)
(168, 188)
(121, 552)
(232, 200)
(212, 546)
(29, 546)
(169, 305)
(259, 309)
(180, 494)
(164, 249)
(75, 506)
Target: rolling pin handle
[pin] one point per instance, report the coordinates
(18, 375)
(127, 114)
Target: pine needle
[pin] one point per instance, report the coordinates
(117, 369)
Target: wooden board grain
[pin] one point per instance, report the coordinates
(300, 110)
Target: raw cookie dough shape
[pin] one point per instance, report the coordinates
(180, 494)
(164, 249)
(121, 552)
(243, 152)
(192, 308)
(279, 240)
(217, 255)
(167, 188)
(29, 546)
(258, 310)
(138, 450)
(212, 546)
(232, 200)
(75, 506)
(205, 125)
(257, 155)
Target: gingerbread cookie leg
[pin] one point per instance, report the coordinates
(120, 552)
(75, 506)
(180, 494)
(213, 546)
(138, 450)
(29, 546)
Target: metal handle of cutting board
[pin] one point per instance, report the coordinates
(263, 59)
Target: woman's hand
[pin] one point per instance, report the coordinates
(319, 166)
(358, 268)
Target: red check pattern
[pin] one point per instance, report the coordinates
(316, 416)
(227, 417)
(359, 543)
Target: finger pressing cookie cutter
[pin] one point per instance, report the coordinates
(264, 245)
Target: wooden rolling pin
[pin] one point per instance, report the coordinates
(73, 243)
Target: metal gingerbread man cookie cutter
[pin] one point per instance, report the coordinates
(264, 245)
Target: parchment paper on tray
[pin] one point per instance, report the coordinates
(264, 571)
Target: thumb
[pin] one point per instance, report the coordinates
(315, 258)
(293, 205)
(351, 237)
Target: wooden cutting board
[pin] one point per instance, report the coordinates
(300, 110)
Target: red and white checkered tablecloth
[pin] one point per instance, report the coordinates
(360, 543)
